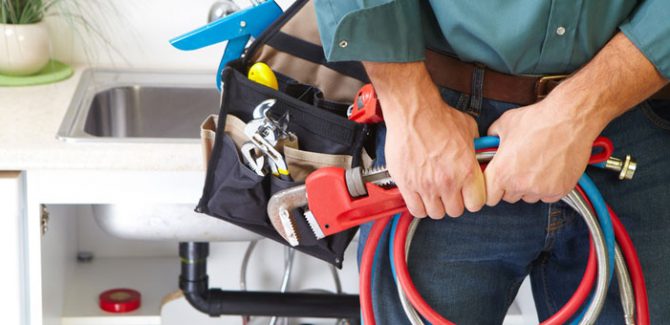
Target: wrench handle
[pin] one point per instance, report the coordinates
(335, 210)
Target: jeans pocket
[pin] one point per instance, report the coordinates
(658, 113)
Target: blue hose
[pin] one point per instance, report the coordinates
(394, 227)
(600, 208)
(486, 142)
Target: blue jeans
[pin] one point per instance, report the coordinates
(470, 268)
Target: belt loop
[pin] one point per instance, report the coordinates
(477, 91)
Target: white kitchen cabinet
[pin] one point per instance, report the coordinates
(61, 290)
(70, 288)
(54, 288)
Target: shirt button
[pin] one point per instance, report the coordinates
(560, 31)
(343, 43)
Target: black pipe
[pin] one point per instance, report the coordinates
(194, 282)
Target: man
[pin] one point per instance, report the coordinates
(617, 55)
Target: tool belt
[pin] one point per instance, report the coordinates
(313, 95)
(450, 72)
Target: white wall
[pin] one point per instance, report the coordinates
(139, 30)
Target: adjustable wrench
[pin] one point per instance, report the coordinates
(267, 135)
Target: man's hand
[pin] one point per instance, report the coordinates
(542, 154)
(545, 147)
(429, 145)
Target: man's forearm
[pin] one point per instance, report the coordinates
(615, 80)
(429, 145)
(403, 83)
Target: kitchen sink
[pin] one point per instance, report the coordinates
(130, 106)
(153, 107)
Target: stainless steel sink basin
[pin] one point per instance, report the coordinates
(166, 222)
(154, 107)
(129, 106)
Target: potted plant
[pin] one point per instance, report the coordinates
(24, 39)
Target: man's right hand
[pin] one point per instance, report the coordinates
(429, 144)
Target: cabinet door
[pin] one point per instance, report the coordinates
(11, 217)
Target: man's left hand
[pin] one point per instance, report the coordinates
(544, 148)
(543, 151)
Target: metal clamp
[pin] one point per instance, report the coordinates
(625, 167)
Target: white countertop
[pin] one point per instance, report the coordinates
(30, 118)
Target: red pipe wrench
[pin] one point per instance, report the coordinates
(337, 199)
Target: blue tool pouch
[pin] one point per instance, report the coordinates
(315, 94)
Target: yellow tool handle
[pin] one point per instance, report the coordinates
(262, 74)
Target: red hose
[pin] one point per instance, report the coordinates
(367, 260)
(634, 269)
(403, 274)
(580, 295)
(607, 150)
(632, 262)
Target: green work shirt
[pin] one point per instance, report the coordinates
(530, 37)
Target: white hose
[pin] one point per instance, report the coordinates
(625, 287)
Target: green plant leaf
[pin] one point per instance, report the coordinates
(21, 11)
(87, 19)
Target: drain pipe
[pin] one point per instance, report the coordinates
(194, 283)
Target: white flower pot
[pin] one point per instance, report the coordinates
(24, 49)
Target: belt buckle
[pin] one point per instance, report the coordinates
(541, 89)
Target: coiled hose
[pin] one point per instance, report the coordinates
(604, 228)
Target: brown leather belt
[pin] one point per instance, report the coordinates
(447, 71)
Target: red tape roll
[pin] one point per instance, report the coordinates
(120, 300)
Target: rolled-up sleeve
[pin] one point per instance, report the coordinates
(371, 30)
(649, 29)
